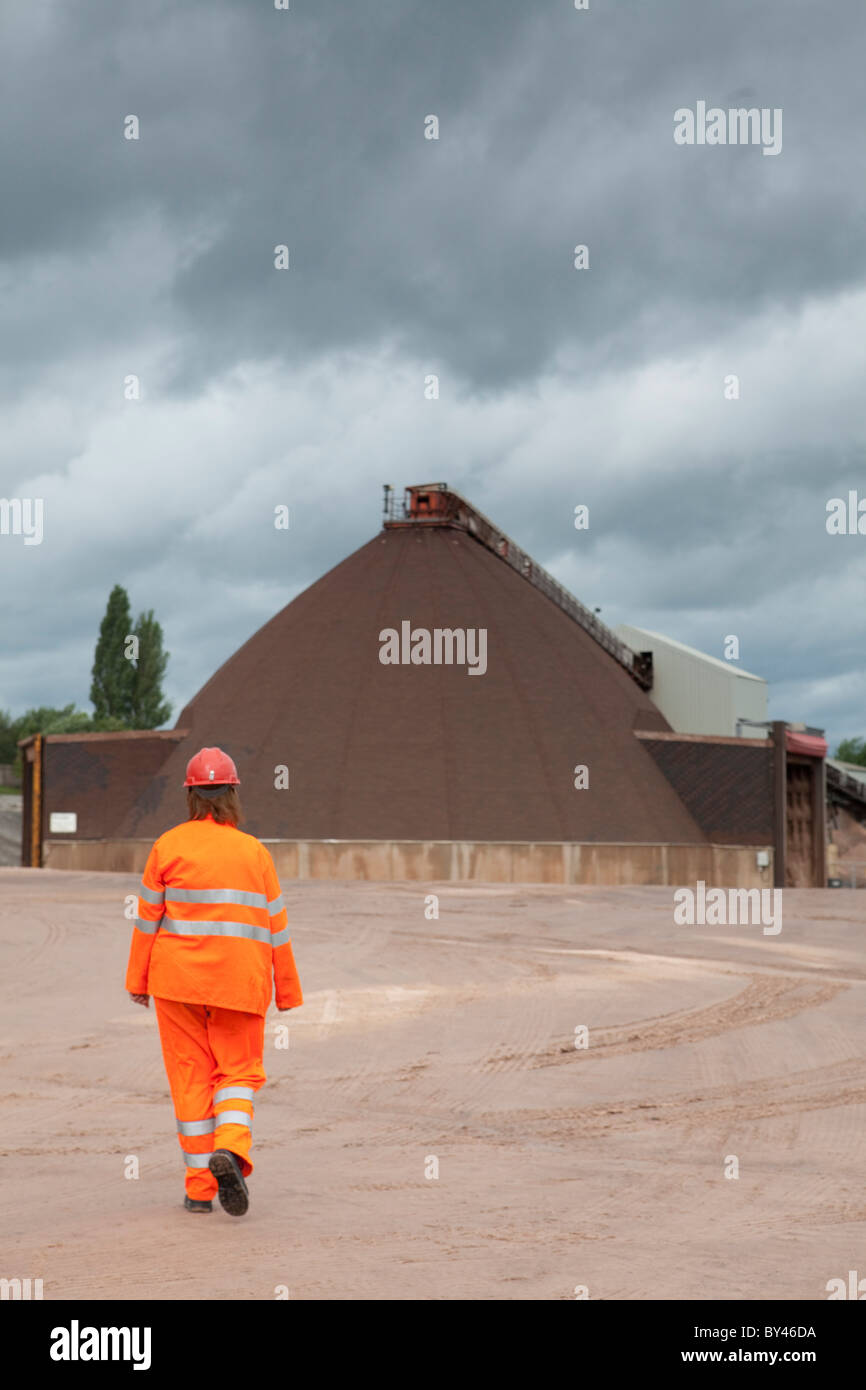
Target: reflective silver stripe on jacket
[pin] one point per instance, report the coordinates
(215, 895)
(276, 906)
(196, 1160)
(196, 1126)
(233, 1093)
(197, 927)
(152, 895)
(280, 938)
(234, 1117)
(148, 927)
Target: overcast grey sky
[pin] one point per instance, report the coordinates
(411, 256)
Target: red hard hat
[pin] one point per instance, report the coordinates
(211, 766)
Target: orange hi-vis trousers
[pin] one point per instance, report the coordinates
(213, 1059)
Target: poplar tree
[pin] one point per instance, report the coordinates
(113, 675)
(148, 708)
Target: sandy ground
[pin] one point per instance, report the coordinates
(454, 1040)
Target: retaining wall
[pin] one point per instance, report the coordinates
(434, 861)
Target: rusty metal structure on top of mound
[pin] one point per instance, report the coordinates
(436, 504)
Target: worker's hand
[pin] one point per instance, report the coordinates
(284, 1008)
(141, 999)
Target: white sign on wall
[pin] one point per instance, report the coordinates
(62, 823)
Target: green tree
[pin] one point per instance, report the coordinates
(852, 750)
(8, 750)
(113, 682)
(148, 708)
(69, 720)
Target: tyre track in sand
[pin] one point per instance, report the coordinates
(729, 1105)
(765, 999)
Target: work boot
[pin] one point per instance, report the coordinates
(192, 1205)
(233, 1194)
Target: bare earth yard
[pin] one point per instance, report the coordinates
(453, 1040)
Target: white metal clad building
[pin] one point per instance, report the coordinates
(696, 693)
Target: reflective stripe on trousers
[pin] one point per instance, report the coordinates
(196, 1126)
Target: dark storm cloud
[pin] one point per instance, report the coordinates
(260, 127)
(410, 256)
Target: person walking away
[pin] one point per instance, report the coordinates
(211, 933)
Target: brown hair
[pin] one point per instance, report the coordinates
(225, 808)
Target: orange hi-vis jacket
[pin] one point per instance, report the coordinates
(211, 923)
